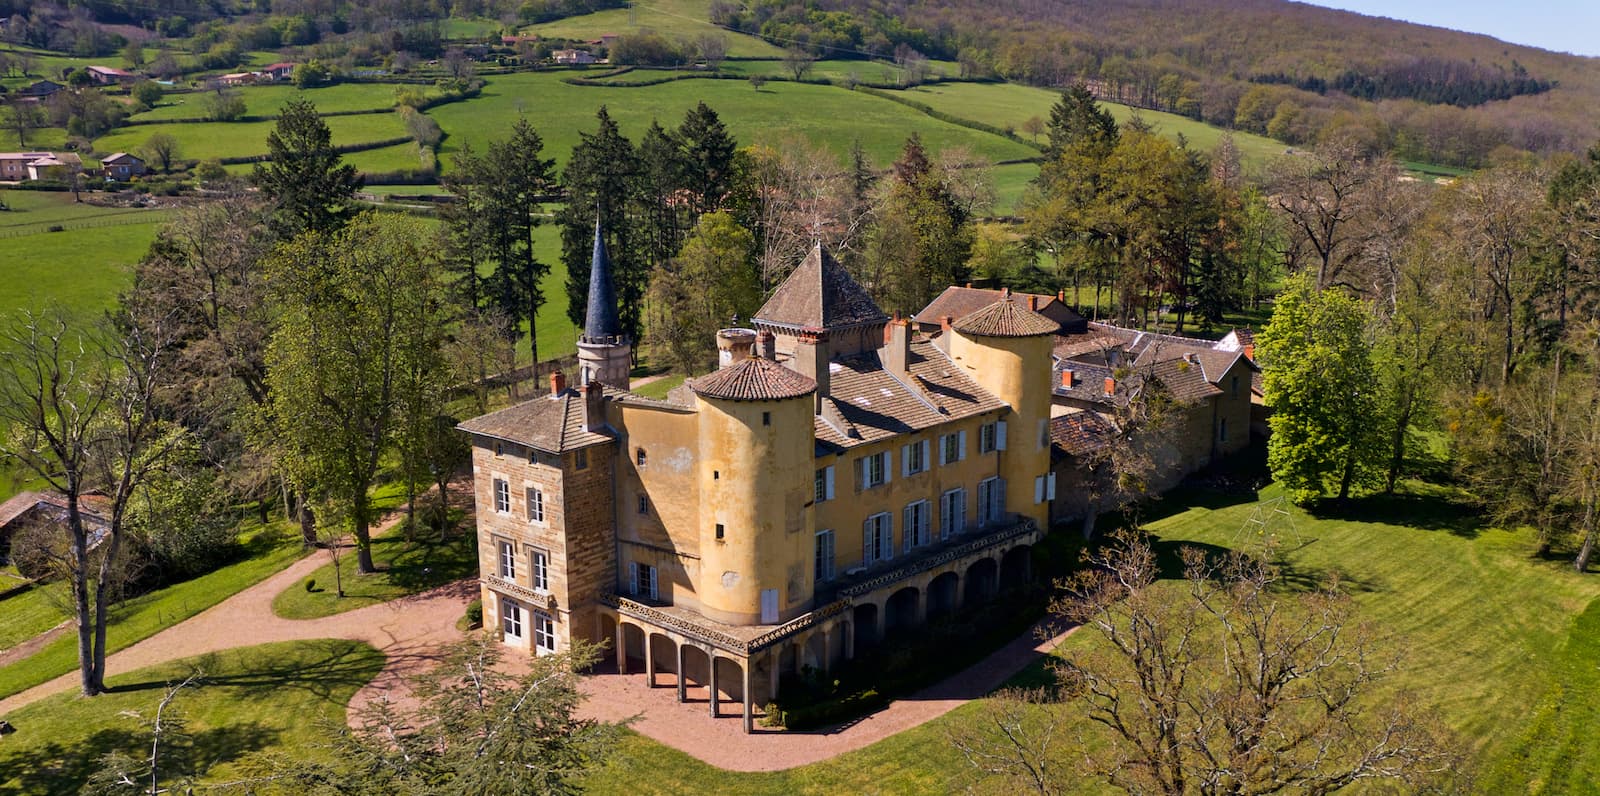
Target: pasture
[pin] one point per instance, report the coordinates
(268, 100)
(206, 140)
(82, 267)
(674, 19)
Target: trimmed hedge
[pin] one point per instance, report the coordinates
(952, 119)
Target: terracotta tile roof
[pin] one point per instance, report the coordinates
(551, 424)
(957, 302)
(1089, 383)
(867, 403)
(1005, 318)
(819, 294)
(754, 379)
(1081, 433)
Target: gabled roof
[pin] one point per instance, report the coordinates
(867, 403)
(116, 156)
(600, 320)
(956, 302)
(1081, 433)
(754, 379)
(554, 424)
(1005, 318)
(819, 294)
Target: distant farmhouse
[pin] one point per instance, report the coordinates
(574, 57)
(19, 166)
(838, 478)
(111, 76)
(122, 166)
(47, 511)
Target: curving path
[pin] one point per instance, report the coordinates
(409, 631)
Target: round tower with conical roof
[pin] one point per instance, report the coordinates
(605, 354)
(756, 482)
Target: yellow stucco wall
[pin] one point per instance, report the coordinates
(755, 479)
(1017, 371)
(669, 482)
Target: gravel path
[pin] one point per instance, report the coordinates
(688, 727)
(408, 631)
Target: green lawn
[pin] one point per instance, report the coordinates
(399, 157)
(144, 616)
(1501, 646)
(82, 268)
(662, 386)
(40, 139)
(268, 100)
(674, 19)
(1003, 104)
(276, 698)
(202, 141)
(406, 568)
(32, 611)
(826, 115)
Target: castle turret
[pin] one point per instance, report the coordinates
(756, 479)
(1006, 348)
(605, 354)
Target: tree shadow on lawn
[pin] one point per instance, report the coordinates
(63, 767)
(1292, 577)
(1427, 512)
(426, 563)
(342, 667)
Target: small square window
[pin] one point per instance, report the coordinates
(639, 457)
(499, 448)
(716, 475)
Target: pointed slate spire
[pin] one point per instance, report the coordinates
(601, 323)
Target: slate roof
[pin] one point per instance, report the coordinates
(550, 423)
(1185, 381)
(754, 379)
(957, 302)
(819, 294)
(601, 323)
(867, 403)
(1005, 318)
(1081, 433)
(116, 156)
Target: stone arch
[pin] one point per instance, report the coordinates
(696, 665)
(866, 618)
(663, 653)
(903, 610)
(981, 579)
(815, 652)
(1016, 567)
(633, 641)
(608, 638)
(944, 594)
(730, 679)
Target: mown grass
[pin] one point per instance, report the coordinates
(827, 116)
(32, 611)
(267, 550)
(79, 269)
(405, 568)
(268, 100)
(660, 387)
(399, 157)
(205, 140)
(674, 19)
(1007, 104)
(1501, 646)
(277, 698)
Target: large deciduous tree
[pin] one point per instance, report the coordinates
(358, 319)
(601, 179)
(1327, 425)
(923, 236)
(712, 281)
(305, 178)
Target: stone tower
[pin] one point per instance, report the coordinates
(605, 354)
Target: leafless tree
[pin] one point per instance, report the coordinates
(802, 195)
(798, 62)
(1228, 683)
(1342, 208)
(712, 48)
(1016, 738)
(120, 773)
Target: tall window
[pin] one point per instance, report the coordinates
(541, 570)
(639, 457)
(952, 513)
(877, 539)
(508, 561)
(875, 470)
(644, 504)
(1234, 387)
(952, 447)
(644, 581)
(824, 485)
(535, 504)
(580, 459)
(1222, 430)
(511, 618)
(544, 632)
(991, 500)
(824, 556)
(502, 496)
(916, 523)
(992, 437)
(914, 457)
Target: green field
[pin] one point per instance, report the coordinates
(1501, 646)
(267, 100)
(81, 268)
(674, 19)
(826, 115)
(203, 141)
(278, 698)
(1008, 104)
(398, 157)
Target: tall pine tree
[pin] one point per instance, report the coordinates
(307, 181)
(601, 179)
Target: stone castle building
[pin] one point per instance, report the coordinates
(837, 478)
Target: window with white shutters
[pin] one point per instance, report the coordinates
(508, 561)
(991, 500)
(914, 458)
(824, 556)
(824, 485)
(952, 513)
(644, 581)
(914, 527)
(875, 470)
(986, 438)
(877, 539)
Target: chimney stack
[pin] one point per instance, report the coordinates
(1005, 294)
(594, 406)
(811, 360)
(766, 346)
(1033, 302)
(1250, 352)
(1111, 386)
(558, 383)
(897, 346)
(1068, 378)
(1061, 296)
(734, 346)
